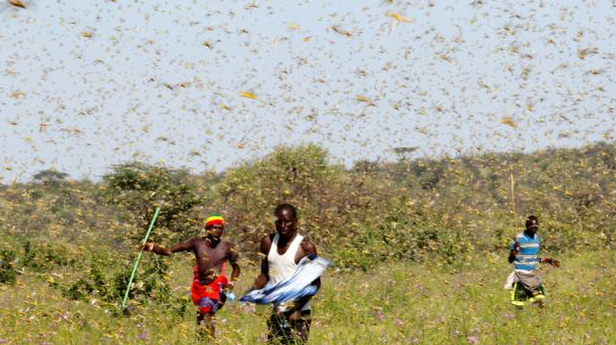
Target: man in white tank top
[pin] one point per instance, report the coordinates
(290, 322)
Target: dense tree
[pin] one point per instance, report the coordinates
(140, 188)
(50, 177)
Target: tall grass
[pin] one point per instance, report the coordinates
(419, 248)
(464, 303)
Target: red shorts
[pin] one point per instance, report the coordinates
(206, 297)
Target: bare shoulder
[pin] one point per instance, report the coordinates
(198, 243)
(188, 245)
(195, 240)
(228, 244)
(266, 243)
(308, 247)
(230, 251)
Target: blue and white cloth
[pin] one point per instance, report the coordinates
(293, 287)
(528, 257)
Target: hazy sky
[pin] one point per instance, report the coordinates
(87, 84)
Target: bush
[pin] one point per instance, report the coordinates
(43, 258)
(140, 188)
(8, 272)
(51, 177)
(299, 175)
(412, 210)
(109, 285)
(407, 232)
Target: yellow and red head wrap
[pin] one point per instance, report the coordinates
(214, 219)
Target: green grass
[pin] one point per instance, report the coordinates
(396, 304)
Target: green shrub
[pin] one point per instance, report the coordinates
(140, 188)
(403, 234)
(8, 272)
(43, 258)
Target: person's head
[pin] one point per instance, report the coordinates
(286, 219)
(532, 224)
(214, 226)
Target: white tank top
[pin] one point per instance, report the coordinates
(281, 266)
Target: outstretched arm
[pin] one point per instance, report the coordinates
(552, 262)
(160, 250)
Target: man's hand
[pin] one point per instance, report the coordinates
(552, 262)
(148, 247)
(514, 252)
(516, 249)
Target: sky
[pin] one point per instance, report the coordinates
(208, 85)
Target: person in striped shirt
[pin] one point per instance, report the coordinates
(524, 254)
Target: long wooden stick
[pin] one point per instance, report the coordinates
(145, 239)
(511, 188)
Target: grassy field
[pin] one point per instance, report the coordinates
(396, 304)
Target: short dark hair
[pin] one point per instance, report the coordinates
(285, 206)
(531, 219)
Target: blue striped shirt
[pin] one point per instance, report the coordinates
(528, 257)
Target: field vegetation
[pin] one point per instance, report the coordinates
(419, 248)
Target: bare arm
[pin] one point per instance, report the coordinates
(550, 261)
(309, 249)
(514, 252)
(160, 250)
(232, 257)
(263, 276)
(266, 244)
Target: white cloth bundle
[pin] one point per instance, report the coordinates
(292, 287)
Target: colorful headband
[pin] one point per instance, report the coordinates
(214, 219)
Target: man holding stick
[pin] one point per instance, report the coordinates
(209, 282)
